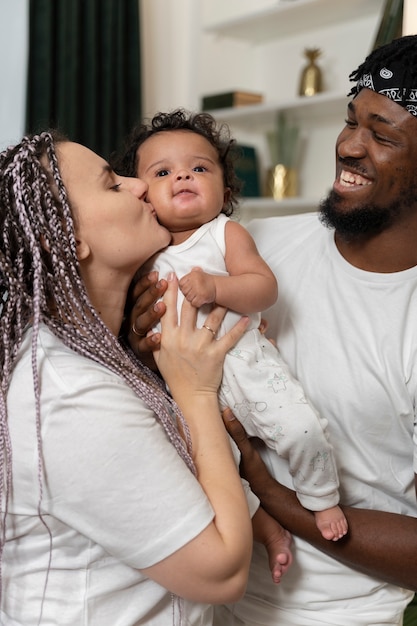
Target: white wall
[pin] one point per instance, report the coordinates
(217, 10)
(170, 32)
(410, 17)
(13, 52)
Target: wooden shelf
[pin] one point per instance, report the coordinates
(263, 116)
(290, 17)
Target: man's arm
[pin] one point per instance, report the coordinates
(143, 310)
(379, 544)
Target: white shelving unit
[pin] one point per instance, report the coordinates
(272, 34)
(290, 17)
(263, 116)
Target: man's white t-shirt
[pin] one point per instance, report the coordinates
(350, 337)
(116, 498)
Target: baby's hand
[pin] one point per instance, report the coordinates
(198, 287)
(190, 358)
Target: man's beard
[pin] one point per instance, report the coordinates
(362, 220)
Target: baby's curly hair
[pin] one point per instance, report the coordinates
(126, 162)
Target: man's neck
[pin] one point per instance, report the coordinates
(393, 250)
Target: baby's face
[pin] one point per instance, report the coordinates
(184, 177)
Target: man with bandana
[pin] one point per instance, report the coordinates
(346, 323)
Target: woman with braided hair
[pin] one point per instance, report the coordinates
(121, 504)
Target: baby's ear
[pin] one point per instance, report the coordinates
(226, 196)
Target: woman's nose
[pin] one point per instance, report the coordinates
(136, 186)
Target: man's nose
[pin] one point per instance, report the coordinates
(352, 144)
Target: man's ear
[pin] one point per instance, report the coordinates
(83, 250)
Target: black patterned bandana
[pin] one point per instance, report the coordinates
(391, 82)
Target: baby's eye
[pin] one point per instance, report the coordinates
(116, 187)
(199, 168)
(162, 173)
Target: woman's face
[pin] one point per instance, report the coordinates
(116, 230)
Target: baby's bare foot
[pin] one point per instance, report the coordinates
(279, 554)
(331, 523)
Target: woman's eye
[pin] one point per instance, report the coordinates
(116, 187)
(350, 123)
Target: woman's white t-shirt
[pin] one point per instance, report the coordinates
(116, 498)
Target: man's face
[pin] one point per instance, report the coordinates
(376, 168)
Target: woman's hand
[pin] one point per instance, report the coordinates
(191, 359)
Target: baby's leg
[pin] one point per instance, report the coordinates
(276, 540)
(331, 523)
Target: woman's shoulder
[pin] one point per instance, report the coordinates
(62, 366)
(71, 383)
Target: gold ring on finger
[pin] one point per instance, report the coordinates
(137, 333)
(213, 332)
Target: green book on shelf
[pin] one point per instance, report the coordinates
(230, 99)
(247, 170)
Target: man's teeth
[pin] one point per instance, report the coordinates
(347, 179)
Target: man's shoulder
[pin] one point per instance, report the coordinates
(283, 231)
(281, 223)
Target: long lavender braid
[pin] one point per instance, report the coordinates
(40, 283)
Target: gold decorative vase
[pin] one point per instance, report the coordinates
(281, 182)
(311, 78)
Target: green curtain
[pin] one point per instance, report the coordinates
(410, 615)
(84, 70)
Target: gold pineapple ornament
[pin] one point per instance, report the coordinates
(311, 78)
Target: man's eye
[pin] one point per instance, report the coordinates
(382, 138)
